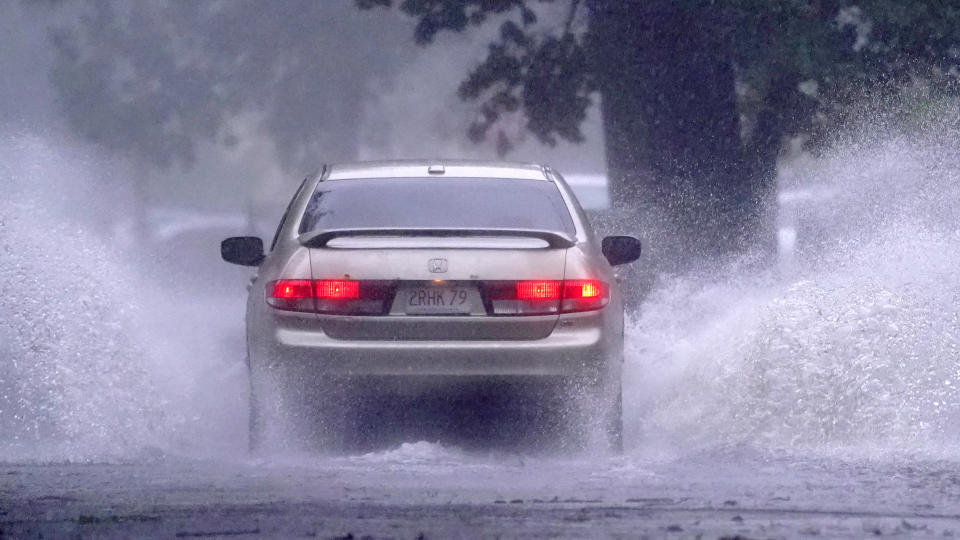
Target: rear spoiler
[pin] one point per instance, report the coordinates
(553, 238)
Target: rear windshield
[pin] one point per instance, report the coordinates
(436, 203)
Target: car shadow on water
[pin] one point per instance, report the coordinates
(373, 414)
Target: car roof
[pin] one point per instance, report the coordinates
(435, 168)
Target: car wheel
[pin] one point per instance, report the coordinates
(274, 410)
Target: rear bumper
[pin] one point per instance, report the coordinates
(577, 346)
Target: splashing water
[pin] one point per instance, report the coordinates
(70, 384)
(853, 345)
(87, 371)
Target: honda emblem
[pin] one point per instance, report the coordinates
(437, 266)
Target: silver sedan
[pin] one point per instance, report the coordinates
(420, 273)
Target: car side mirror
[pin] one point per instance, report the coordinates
(620, 249)
(242, 250)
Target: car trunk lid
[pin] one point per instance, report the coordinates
(440, 284)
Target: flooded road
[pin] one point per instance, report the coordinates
(425, 490)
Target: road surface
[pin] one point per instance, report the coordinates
(430, 491)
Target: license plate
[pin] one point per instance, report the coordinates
(432, 299)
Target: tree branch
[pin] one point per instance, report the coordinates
(574, 4)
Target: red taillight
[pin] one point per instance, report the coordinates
(544, 297)
(583, 288)
(584, 295)
(336, 289)
(291, 295)
(333, 296)
(538, 290)
(290, 289)
(348, 297)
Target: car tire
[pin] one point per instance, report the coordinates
(274, 405)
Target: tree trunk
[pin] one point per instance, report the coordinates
(664, 70)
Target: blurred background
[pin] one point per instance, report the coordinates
(211, 112)
(219, 109)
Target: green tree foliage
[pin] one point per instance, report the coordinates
(834, 43)
(548, 74)
(844, 51)
(698, 95)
